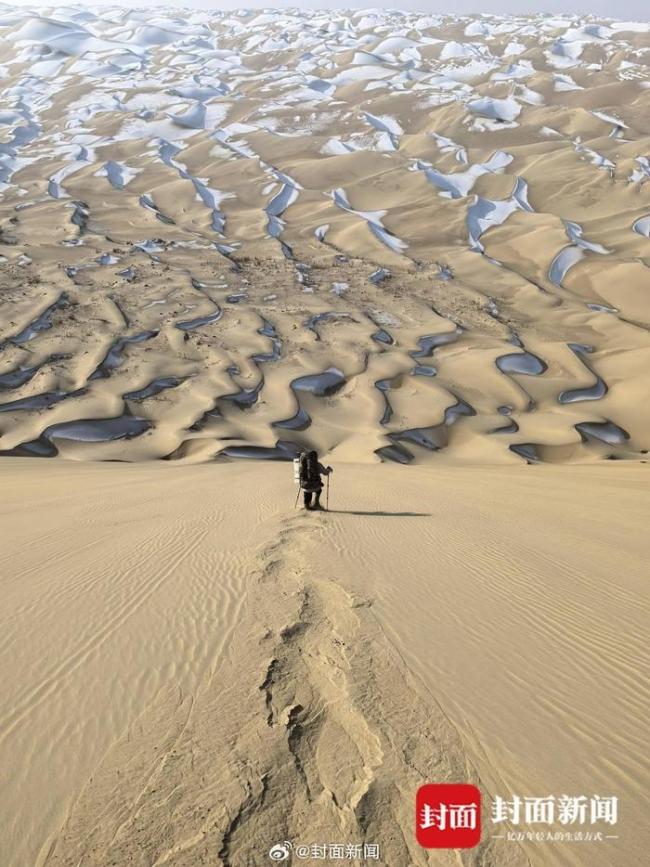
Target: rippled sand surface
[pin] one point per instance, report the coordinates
(192, 670)
(447, 218)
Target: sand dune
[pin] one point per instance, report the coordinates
(193, 671)
(395, 237)
(182, 195)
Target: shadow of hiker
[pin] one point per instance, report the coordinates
(381, 514)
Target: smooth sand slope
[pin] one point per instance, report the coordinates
(192, 670)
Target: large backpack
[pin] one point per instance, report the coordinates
(308, 469)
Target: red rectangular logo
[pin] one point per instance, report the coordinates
(448, 816)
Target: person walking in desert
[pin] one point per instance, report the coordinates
(311, 483)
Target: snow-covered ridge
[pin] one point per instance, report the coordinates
(111, 92)
(216, 227)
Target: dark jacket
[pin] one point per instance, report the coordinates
(311, 471)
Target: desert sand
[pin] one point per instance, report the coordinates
(419, 244)
(193, 670)
(383, 234)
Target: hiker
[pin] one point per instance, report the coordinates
(310, 479)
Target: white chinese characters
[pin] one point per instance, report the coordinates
(448, 816)
(337, 851)
(565, 809)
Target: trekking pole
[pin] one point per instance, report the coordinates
(327, 495)
(297, 495)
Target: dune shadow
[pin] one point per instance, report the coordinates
(380, 514)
